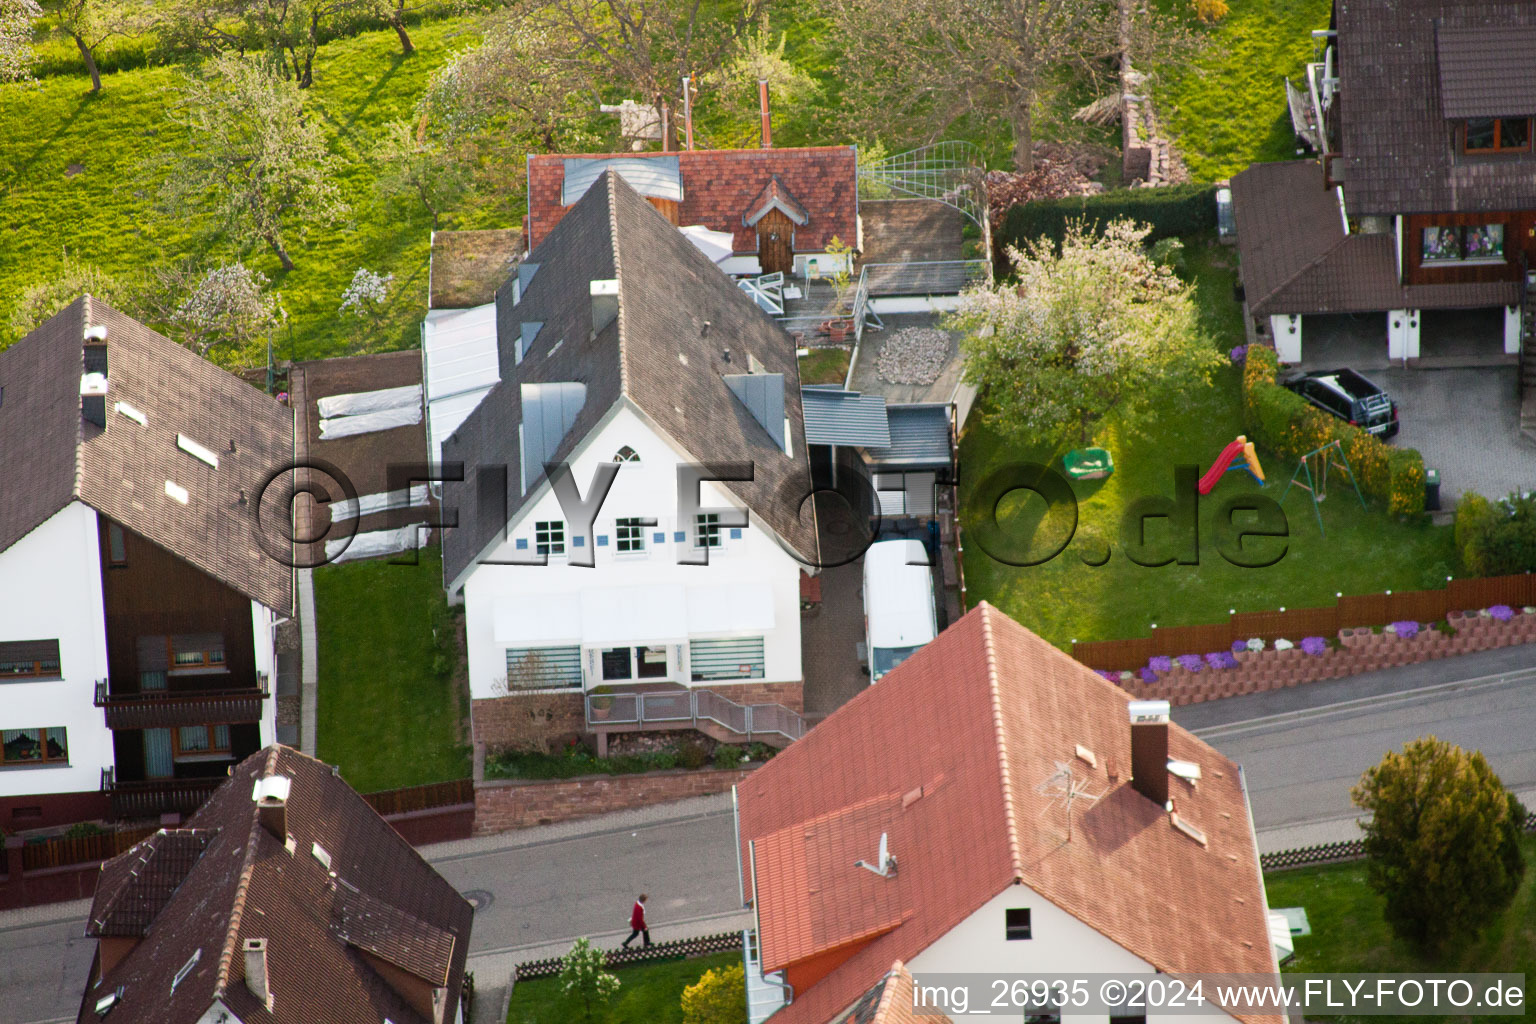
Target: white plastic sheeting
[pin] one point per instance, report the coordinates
(717, 245)
(377, 543)
(368, 504)
(359, 402)
(368, 422)
(462, 365)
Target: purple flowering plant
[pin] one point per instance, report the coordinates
(1406, 630)
(1501, 612)
(1221, 659)
(1191, 662)
(1314, 645)
(1160, 663)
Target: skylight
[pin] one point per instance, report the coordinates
(321, 855)
(176, 492)
(134, 414)
(186, 968)
(196, 450)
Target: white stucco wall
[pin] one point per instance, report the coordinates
(1403, 334)
(1286, 330)
(50, 588)
(644, 489)
(1512, 330)
(1060, 945)
(264, 640)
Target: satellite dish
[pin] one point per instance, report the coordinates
(887, 862)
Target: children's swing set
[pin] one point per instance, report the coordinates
(1311, 475)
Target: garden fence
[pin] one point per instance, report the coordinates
(1294, 623)
(62, 851)
(1330, 853)
(723, 942)
(422, 798)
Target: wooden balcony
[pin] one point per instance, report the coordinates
(154, 797)
(168, 709)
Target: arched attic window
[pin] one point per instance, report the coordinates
(626, 454)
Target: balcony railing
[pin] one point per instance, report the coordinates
(154, 797)
(693, 706)
(167, 709)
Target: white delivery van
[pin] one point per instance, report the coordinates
(898, 603)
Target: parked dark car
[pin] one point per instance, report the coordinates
(1350, 397)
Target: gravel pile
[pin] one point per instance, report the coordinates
(913, 355)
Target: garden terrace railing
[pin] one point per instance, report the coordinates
(951, 172)
(930, 277)
(692, 706)
(422, 798)
(1294, 623)
(704, 945)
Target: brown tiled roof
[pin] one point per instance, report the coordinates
(951, 748)
(468, 266)
(775, 194)
(246, 885)
(896, 1006)
(1399, 153)
(658, 354)
(121, 470)
(719, 187)
(136, 885)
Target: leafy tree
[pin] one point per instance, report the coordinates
(584, 974)
(914, 67)
(57, 286)
(286, 33)
(759, 55)
(92, 22)
(719, 997)
(394, 12)
(253, 161)
(421, 167)
(1443, 841)
(16, 55)
(1094, 328)
(229, 307)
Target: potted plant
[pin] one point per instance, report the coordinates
(601, 705)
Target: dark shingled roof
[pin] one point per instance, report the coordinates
(656, 354)
(1406, 67)
(136, 885)
(246, 885)
(121, 471)
(1296, 257)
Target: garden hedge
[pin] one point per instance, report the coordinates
(1496, 538)
(1289, 426)
(1172, 211)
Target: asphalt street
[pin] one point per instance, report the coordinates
(1301, 749)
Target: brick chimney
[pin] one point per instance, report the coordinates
(271, 796)
(762, 103)
(1149, 749)
(256, 970)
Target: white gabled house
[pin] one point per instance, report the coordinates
(137, 605)
(620, 346)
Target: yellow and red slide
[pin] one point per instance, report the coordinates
(1242, 446)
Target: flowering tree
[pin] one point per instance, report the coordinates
(229, 306)
(253, 161)
(583, 974)
(89, 23)
(366, 294)
(1094, 328)
(16, 54)
(422, 167)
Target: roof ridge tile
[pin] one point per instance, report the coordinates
(247, 869)
(610, 177)
(1005, 775)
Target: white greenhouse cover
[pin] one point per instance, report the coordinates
(462, 365)
(730, 608)
(368, 504)
(359, 402)
(368, 422)
(376, 543)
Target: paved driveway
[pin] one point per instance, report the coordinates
(1466, 423)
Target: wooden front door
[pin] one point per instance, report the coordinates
(776, 243)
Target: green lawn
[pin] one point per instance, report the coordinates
(386, 717)
(106, 213)
(1225, 108)
(824, 366)
(649, 993)
(1365, 551)
(1349, 934)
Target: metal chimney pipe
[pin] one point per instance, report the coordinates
(688, 109)
(762, 103)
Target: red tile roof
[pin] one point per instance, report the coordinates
(720, 187)
(945, 755)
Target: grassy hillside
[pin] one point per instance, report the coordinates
(105, 213)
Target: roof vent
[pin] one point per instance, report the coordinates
(605, 304)
(93, 398)
(255, 951)
(885, 866)
(1189, 771)
(1086, 756)
(321, 854)
(271, 797)
(186, 968)
(97, 333)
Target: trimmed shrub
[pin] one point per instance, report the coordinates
(1171, 211)
(692, 753)
(719, 997)
(1286, 424)
(729, 757)
(1496, 538)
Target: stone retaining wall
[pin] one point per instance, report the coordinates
(502, 804)
(1363, 650)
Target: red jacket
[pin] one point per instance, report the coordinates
(637, 917)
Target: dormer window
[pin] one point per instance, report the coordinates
(1472, 243)
(1496, 135)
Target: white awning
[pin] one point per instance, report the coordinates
(732, 608)
(537, 620)
(620, 616)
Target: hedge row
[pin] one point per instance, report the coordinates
(1496, 538)
(1289, 426)
(1172, 211)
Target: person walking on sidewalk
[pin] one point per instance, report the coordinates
(637, 922)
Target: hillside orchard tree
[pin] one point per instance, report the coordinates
(58, 286)
(287, 33)
(231, 307)
(1096, 328)
(1443, 841)
(89, 23)
(421, 167)
(584, 974)
(253, 161)
(16, 53)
